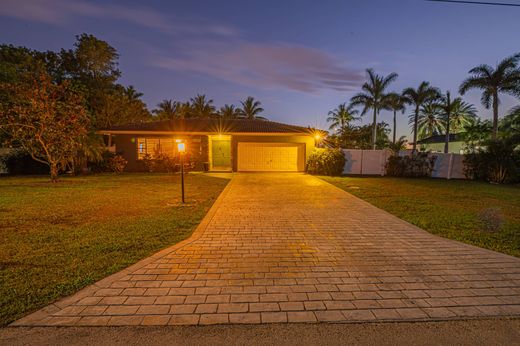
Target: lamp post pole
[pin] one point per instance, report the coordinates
(182, 176)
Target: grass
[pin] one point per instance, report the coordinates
(449, 208)
(58, 238)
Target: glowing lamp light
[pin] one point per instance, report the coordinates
(317, 136)
(181, 147)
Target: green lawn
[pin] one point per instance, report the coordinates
(58, 238)
(449, 208)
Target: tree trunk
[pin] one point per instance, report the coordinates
(495, 114)
(394, 124)
(54, 172)
(374, 130)
(448, 114)
(415, 121)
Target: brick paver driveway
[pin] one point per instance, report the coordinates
(292, 248)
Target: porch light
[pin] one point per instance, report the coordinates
(181, 147)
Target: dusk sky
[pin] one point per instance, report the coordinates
(299, 58)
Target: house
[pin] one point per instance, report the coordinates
(435, 143)
(216, 144)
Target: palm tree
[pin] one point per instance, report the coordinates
(417, 97)
(166, 109)
(430, 121)
(398, 145)
(395, 102)
(250, 108)
(504, 78)
(229, 112)
(341, 118)
(132, 94)
(373, 97)
(462, 115)
(201, 107)
(477, 133)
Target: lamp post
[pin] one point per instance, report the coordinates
(181, 148)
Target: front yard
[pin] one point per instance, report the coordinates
(466, 211)
(58, 238)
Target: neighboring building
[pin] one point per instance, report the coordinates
(216, 144)
(436, 143)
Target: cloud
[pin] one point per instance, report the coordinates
(286, 66)
(61, 12)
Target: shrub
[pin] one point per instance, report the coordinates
(416, 165)
(498, 163)
(326, 162)
(160, 163)
(117, 164)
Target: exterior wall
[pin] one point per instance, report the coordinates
(308, 142)
(126, 146)
(454, 147)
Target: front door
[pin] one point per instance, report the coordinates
(221, 154)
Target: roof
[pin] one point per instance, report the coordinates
(209, 125)
(454, 137)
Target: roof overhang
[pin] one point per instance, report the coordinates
(188, 133)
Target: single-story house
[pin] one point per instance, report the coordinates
(216, 144)
(435, 143)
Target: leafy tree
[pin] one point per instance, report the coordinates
(132, 94)
(167, 110)
(462, 114)
(477, 133)
(341, 117)
(503, 78)
(229, 112)
(373, 97)
(418, 97)
(251, 108)
(47, 120)
(397, 146)
(201, 107)
(430, 121)
(510, 125)
(395, 102)
(360, 137)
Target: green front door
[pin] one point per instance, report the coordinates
(221, 154)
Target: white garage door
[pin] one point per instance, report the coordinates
(268, 157)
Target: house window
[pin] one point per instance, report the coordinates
(155, 147)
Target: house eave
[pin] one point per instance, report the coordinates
(188, 133)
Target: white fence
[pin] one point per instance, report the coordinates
(372, 162)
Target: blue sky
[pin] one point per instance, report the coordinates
(300, 58)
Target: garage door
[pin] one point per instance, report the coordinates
(269, 157)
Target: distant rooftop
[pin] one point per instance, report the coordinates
(454, 137)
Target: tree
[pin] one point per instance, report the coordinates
(373, 97)
(341, 117)
(462, 115)
(430, 120)
(397, 146)
(229, 112)
(360, 137)
(250, 108)
(201, 107)
(417, 97)
(477, 133)
(132, 94)
(47, 120)
(167, 110)
(504, 78)
(395, 102)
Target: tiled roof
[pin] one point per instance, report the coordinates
(212, 125)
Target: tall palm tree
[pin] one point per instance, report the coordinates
(504, 78)
(341, 118)
(373, 97)
(202, 107)
(395, 102)
(430, 121)
(417, 97)
(229, 112)
(132, 93)
(462, 115)
(166, 109)
(250, 108)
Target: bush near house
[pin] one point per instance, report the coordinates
(498, 163)
(326, 162)
(414, 166)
